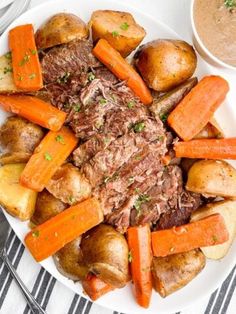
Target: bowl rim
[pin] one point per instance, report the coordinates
(203, 46)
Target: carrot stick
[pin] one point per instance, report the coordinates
(205, 232)
(27, 72)
(49, 237)
(95, 287)
(122, 69)
(34, 110)
(207, 148)
(47, 157)
(139, 241)
(198, 106)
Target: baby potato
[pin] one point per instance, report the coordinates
(69, 261)
(60, 29)
(118, 28)
(173, 272)
(212, 177)
(105, 252)
(46, 207)
(228, 210)
(166, 63)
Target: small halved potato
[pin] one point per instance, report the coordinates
(7, 84)
(118, 28)
(228, 210)
(212, 177)
(16, 199)
(166, 63)
(60, 29)
(173, 272)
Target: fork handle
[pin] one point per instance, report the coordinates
(34, 306)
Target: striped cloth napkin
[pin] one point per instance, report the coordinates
(55, 297)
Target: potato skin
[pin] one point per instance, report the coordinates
(166, 63)
(118, 28)
(59, 29)
(69, 261)
(105, 252)
(212, 178)
(46, 207)
(173, 272)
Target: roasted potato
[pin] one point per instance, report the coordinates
(105, 252)
(16, 199)
(69, 261)
(228, 210)
(212, 178)
(164, 104)
(18, 139)
(118, 28)
(46, 207)
(69, 185)
(166, 63)
(7, 84)
(59, 29)
(173, 272)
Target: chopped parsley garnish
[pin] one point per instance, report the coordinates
(130, 257)
(230, 4)
(8, 55)
(137, 190)
(106, 140)
(7, 70)
(131, 179)
(35, 233)
(115, 34)
(112, 178)
(139, 127)
(77, 107)
(33, 51)
(124, 26)
(164, 117)
(25, 59)
(91, 76)
(130, 104)
(137, 157)
(32, 76)
(47, 156)
(214, 238)
(19, 77)
(71, 200)
(59, 138)
(64, 78)
(160, 138)
(143, 198)
(102, 101)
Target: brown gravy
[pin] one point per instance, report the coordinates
(216, 26)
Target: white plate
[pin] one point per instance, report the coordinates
(122, 300)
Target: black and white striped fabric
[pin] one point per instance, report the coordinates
(57, 299)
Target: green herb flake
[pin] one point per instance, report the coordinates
(143, 198)
(164, 117)
(59, 138)
(102, 101)
(160, 138)
(35, 233)
(230, 4)
(7, 70)
(139, 127)
(115, 34)
(71, 200)
(25, 59)
(106, 140)
(32, 76)
(91, 76)
(19, 77)
(64, 78)
(124, 26)
(131, 104)
(33, 51)
(214, 238)
(130, 257)
(47, 156)
(137, 190)
(131, 179)
(137, 157)
(77, 107)
(8, 55)
(1, 78)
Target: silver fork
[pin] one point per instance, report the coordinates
(4, 233)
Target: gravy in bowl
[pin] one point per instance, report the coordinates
(215, 21)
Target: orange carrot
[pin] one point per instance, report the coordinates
(27, 72)
(166, 159)
(198, 106)
(122, 69)
(49, 237)
(224, 148)
(47, 157)
(139, 241)
(34, 110)
(95, 287)
(205, 232)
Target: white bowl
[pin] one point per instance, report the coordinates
(204, 51)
